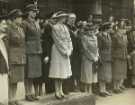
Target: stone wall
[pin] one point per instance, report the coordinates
(117, 8)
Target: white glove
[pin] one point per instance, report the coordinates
(46, 60)
(69, 53)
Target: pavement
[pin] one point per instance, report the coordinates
(125, 98)
(72, 99)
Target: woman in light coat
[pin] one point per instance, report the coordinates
(89, 57)
(60, 67)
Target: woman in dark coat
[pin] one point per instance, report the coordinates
(16, 52)
(33, 69)
(76, 54)
(47, 45)
(119, 57)
(105, 70)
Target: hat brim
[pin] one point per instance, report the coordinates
(64, 15)
(20, 15)
(28, 10)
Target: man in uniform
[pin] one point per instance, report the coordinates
(33, 52)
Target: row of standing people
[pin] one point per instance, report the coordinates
(90, 53)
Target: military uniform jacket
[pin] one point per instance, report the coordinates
(104, 44)
(90, 45)
(131, 40)
(16, 44)
(119, 44)
(33, 37)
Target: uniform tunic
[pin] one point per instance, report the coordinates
(89, 56)
(60, 67)
(33, 49)
(105, 70)
(119, 55)
(16, 53)
(131, 49)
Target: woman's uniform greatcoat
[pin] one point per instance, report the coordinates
(119, 55)
(60, 67)
(105, 70)
(89, 56)
(33, 49)
(131, 51)
(16, 53)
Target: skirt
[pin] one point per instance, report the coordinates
(3, 88)
(16, 73)
(33, 67)
(88, 76)
(105, 72)
(119, 69)
(133, 70)
(133, 65)
(60, 67)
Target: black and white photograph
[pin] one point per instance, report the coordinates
(67, 52)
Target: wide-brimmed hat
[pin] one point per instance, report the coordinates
(31, 7)
(72, 15)
(59, 14)
(15, 13)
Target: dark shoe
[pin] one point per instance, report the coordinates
(133, 86)
(117, 91)
(102, 94)
(58, 97)
(123, 88)
(34, 97)
(17, 103)
(11, 103)
(66, 92)
(63, 95)
(29, 98)
(108, 93)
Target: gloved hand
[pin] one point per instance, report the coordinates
(46, 60)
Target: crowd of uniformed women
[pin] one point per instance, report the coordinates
(64, 54)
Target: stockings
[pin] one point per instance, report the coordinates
(58, 87)
(88, 88)
(12, 92)
(102, 87)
